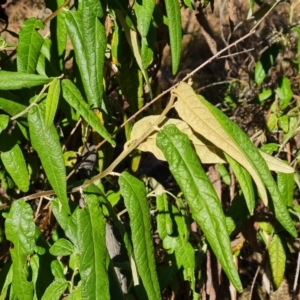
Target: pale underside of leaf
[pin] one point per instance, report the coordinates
(191, 110)
(208, 154)
(276, 164)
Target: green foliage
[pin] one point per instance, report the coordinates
(62, 112)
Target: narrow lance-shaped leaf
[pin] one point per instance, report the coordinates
(245, 182)
(52, 101)
(14, 161)
(29, 45)
(132, 39)
(175, 32)
(210, 122)
(144, 11)
(164, 221)
(200, 195)
(20, 230)
(92, 249)
(89, 40)
(286, 185)
(45, 141)
(18, 80)
(134, 193)
(58, 30)
(74, 98)
(253, 155)
(277, 260)
(10, 103)
(198, 116)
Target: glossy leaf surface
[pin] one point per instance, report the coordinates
(45, 141)
(52, 101)
(16, 81)
(200, 195)
(29, 45)
(175, 32)
(14, 162)
(92, 249)
(55, 290)
(89, 40)
(210, 122)
(134, 193)
(74, 98)
(20, 230)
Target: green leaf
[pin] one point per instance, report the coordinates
(74, 98)
(92, 7)
(224, 174)
(134, 193)
(184, 251)
(62, 247)
(265, 94)
(272, 122)
(52, 101)
(286, 186)
(13, 161)
(200, 195)
(266, 61)
(148, 47)
(10, 103)
(20, 230)
(163, 218)
(175, 32)
(58, 30)
(4, 120)
(29, 45)
(75, 295)
(107, 207)
(35, 265)
(89, 40)
(55, 290)
(194, 111)
(18, 80)
(259, 73)
(245, 182)
(144, 11)
(284, 123)
(284, 92)
(277, 260)
(6, 279)
(92, 249)
(269, 148)
(57, 269)
(133, 41)
(45, 141)
(67, 222)
(237, 142)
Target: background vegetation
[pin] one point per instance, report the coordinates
(149, 150)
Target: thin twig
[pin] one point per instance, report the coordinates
(259, 267)
(71, 133)
(27, 109)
